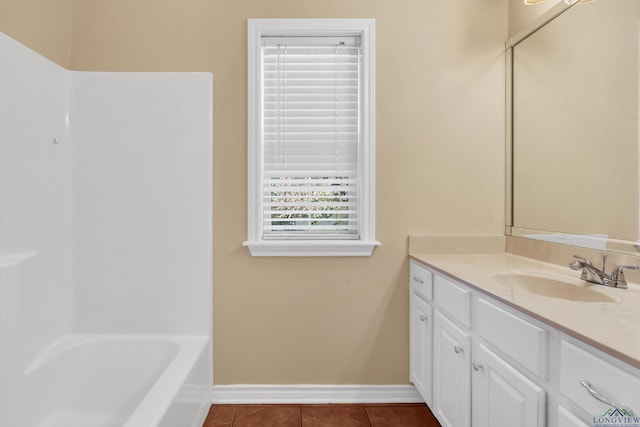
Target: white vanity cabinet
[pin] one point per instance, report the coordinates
(421, 323)
(483, 363)
(502, 396)
(451, 373)
(473, 386)
(420, 330)
(451, 353)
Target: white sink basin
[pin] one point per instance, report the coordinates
(552, 287)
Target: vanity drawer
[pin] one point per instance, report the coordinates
(567, 419)
(453, 298)
(613, 383)
(421, 280)
(519, 339)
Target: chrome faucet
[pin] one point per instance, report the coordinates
(593, 274)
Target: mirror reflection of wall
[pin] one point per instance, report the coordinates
(521, 14)
(575, 123)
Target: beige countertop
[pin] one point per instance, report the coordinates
(613, 327)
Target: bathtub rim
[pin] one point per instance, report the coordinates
(155, 403)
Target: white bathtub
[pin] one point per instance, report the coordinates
(113, 380)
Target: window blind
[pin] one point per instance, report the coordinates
(311, 137)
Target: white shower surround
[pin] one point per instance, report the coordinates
(105, 225)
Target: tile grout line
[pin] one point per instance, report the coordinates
(367, 414)
(235, 412)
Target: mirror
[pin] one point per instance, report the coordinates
(574, 127)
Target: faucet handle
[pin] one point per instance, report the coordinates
(618, 269)
(617, 275)
(587, 261)
(583, 259)
(579, 263)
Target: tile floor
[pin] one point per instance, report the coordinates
(375, 415)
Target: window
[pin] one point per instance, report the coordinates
(311, 137)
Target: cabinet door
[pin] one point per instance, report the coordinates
(451, 373)
(502, 396)
(420, 343)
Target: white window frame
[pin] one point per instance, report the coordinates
(364, 245)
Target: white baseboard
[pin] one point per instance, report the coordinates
(309, 394)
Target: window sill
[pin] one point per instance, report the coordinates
(311, 248)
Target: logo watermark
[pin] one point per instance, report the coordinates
(616, 418)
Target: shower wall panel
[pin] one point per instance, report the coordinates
(105, 202)
(35, 209)
(142, 185)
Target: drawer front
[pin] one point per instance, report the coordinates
(609, 381)
(519, 339)
(454, 299)
(567, 419)
(421, 280)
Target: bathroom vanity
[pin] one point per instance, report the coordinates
(502, 340)
(492, 346)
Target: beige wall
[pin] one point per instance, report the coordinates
(440, 170)
(43, 25)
